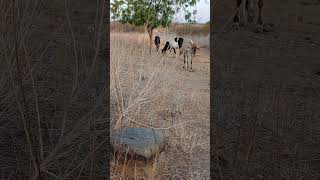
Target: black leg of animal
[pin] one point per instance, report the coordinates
(239, 2)
(250, 12)
(174, 50)
(179, 54)
(247, 5)
(190, 64)
(260, 6)
(236, 18)
(259, 24)
(184, 61)
(187, 63)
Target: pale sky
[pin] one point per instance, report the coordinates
(203, 12)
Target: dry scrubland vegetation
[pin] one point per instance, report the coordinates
(147, 91)
(53, 94)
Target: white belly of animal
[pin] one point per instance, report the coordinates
(174, 44)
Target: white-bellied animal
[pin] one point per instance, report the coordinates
(165, 48)
(174, 44)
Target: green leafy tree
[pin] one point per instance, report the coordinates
(150, 13)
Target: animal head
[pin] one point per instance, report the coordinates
(166, 47)
(193, 45)
(157, 40)
(180, 42)
(193, 51)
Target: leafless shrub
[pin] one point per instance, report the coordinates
(51, 108)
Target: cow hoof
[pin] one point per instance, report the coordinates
(258, 29)
(236, 26)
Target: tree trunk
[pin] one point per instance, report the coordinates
(150, 32)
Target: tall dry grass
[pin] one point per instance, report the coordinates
(137, 82)
(144, 94)
(191, 29)
(119, 27)
(137, 78)
(179, 29)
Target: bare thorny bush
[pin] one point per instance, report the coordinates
(52, 112)
(137, 80)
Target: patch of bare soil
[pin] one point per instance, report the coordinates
(266, 95)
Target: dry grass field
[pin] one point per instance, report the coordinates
(149, 90)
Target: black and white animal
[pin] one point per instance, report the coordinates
(166, 47)
(157, 42)
(174, 44)
(188, 55)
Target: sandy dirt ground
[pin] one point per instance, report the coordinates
(195, 85)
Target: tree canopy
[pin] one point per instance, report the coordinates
(151, 13)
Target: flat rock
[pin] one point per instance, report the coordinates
(144, 142)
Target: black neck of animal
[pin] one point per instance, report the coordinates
(180, 42)
(166, 47)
